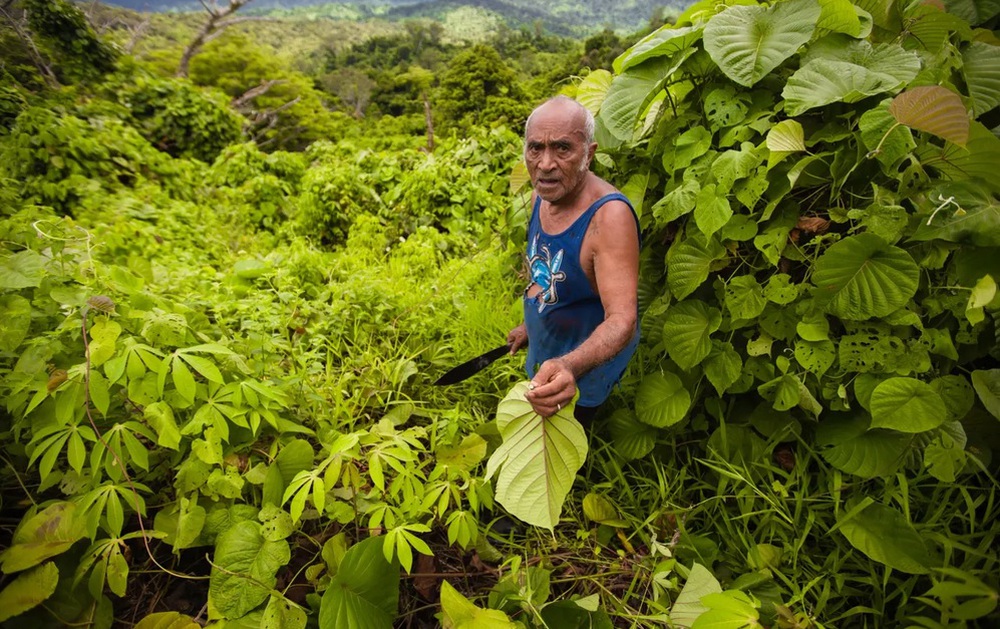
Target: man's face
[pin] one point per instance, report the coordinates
(557, 155)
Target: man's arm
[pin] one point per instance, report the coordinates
(614, 241)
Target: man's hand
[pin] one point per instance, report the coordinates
(552, 388)
(518, 338)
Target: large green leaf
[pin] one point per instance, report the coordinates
(731, 609)
(364, 594)
(987, 386)
(688, 607)
(977, 160)
(15, 319)
(744, 297)
(50, 532)
(981, 66)
(247, 565)
(280, 613)
(862, 277)
(630, 93)
(969, 215)
(21, 270)
(458, 612)
(590, 93)
(906, 405)
(30, 589)
(747, 42)
(661, 400)
(167, 620)
(632, 438)
(885, 536)
(934, 109)
(974, 12)
(852, 448)
(711, 210)
(690, 262)
(839, 16)
(538, 459)
(687, 331)
(665, 41)
(723, 366)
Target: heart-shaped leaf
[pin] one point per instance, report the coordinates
(661, 400)
(907, 405)
(747, 42)
(364, 594)
(987, 386)
(885, 536)
(632, 438)
(538, 459)
(862, 277)
(934, 109)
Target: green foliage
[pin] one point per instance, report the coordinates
(478, 89)
(64, 31)
(176, 117)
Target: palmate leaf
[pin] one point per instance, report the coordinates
(666, 40)
(747, 42)
(538, 459)
(885, 536)
(364, 594)
(981, 66)
(661, 400)
(28, 590)
(862, 277)
(907, 405)
(934, 109)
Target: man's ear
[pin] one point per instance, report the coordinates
(591, 151)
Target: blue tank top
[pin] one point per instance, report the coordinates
(567, 310)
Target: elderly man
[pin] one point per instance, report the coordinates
(580, 306)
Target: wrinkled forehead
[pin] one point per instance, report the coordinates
(551, 125)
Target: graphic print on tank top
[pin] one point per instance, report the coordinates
(545, 273)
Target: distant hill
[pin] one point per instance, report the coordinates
(562, 17)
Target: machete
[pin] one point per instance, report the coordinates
(474, 366)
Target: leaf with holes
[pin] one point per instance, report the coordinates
(538, 459)
(907, 405)
(934, 109)
(885, 536)
(747, 42)
(862, 277)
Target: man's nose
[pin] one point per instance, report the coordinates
(546, 161)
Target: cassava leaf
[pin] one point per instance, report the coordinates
(538, 459)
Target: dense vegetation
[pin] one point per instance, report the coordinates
(224, 299)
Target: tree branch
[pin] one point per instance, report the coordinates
(36, 55)
(254, 92)
(208, 31)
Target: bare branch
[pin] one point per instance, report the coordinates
(36, 56)
(254, 92)
(208, 31)
(137, 32)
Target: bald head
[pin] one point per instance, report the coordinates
(567, 110)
